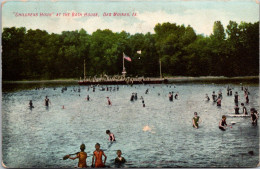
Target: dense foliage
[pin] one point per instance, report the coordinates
(36, 54)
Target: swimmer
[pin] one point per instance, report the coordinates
(82, 156)
(196, 120)
(147, 90)
(254, 116)
(247, 99)
(135, 96)
(132, 97)
(207, 97)
(31, 104)
(244, 109)
(47, 101)
(220, 94)
(111, 136)
(97, 157)
(109, 101)
(218, 102)
(223, 123)
(236, 109)
(228, 89)
(214, 96)
(88, 98)
(119, 160)
(170, 96)
(236, 98)
(176, 96)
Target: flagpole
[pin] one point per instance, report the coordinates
(123, 62)
(123, 72)
(160, 68)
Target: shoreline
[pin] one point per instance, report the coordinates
(171, 79)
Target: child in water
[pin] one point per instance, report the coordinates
(223, 123)
(196, 120)
(119, 160)
(111, 135)
(97, 157)
(82, 156)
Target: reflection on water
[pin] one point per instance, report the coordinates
(158, 135)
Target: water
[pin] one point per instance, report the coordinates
(41, 137)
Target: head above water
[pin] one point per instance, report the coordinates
(242, 104)
(97, 146)
(224, 117)
(82, 147)
(118, 152)
(195, 113)
(108, 131)
(253, 110)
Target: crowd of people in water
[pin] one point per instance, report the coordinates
(217, 99)
(97, 160)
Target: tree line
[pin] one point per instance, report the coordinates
(36, 54)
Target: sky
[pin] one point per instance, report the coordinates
(199, 14)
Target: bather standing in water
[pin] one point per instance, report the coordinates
(31, 104)
(176, 96)
(246, 96)
(82, 156)
(219, 102)
(97, 157)
(196, 120)
(47, 101)
(109, 101)
(111, 135)
(214, 96)
(236, 109)
(254, 116)
(207, 97)
(244, 109)
(223, 123)
(236, 98)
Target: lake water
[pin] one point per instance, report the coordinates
(41, 137)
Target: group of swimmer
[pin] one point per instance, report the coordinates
(222, 124)
(97, 161)
(171, 96)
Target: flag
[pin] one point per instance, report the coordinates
(127, 57)
(139, 52)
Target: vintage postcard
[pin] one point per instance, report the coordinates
(130, 83)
